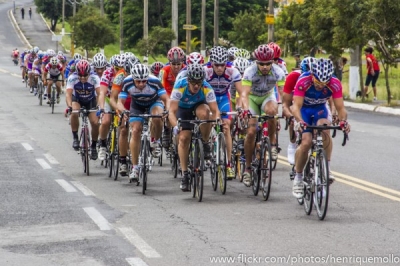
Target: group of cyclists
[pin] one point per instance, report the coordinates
(186, 87)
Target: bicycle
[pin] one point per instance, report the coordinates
(117, 156)
(40, 90)
(52, 96)
(262, 158)
(112, 145)
(238, 160)
(145, 157)
(219, 157)
(84, 138)
(196, 164)
(316, 173)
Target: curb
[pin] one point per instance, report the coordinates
(18, 29)
(372, 108)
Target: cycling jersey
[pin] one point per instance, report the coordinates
(53, 71)
(29, 59)
(290, 82)
(107, 79)
(262, 85)
(305, 88)
(117, 86)
(22, 57)
(83, 92)
(188, 100)
(145, 97)
(70, 68)
(168, 78)
(282, 64)
(209, 64)
(37, 66)
(182, 74)
(221, 84)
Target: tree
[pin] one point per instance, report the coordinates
(155, 44)
(382, 25)
(194, 43)
(247, 27)
(52, 9)
(91, 30)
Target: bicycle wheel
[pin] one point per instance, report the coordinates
(110, 151)
(213, 167)
(87, 150)
(40, 92)
(174, 161)
(116, 168)
(266, 169)
(321, 194)
(274, 162)
(53, 99)
(142, 165)
(255, 165)
(198, 164)
(26, 80)
(162, 149)
(221, 164)
(308, 197)
(82, 147)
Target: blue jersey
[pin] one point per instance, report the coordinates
(83, 92)
(188, 100)
(68, 68)
(145, 97)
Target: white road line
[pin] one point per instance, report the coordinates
(97, 218)
(27, 146)
(65, 185)
(16, 75)
(139, 243)
(50, 158)
(43, 164)
(86, 191)
(136, 262)
(4, 71)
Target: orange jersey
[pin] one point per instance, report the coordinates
(168, 78)
(117, 85)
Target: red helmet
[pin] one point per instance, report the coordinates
(276, 48)
(195, 58)
(83, 68)
(156, 68)
(176, 55)
(264, 53)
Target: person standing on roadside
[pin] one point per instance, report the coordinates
(372, 71)
(30, 13)
(22, 12)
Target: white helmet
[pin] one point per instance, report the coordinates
(241, 64)
(53, 61)
(140, 72)
(77, 56)
(99, 60)
(35, 50)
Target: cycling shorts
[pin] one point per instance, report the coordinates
(311, 114)
(188, 114)
(139, 110)
(257, 103)
(224, 104)
(90, 105)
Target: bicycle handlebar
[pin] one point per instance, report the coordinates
(325, 127)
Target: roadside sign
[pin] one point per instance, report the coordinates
(189, 27)
(56, 38)
(269, 19)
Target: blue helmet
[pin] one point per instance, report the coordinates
(307, 64)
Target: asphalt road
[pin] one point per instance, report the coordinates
(53, 214)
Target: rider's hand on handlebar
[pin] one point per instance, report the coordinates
(176, 130)
(300, 126)
(344, 126)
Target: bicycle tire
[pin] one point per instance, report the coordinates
(266, 169)
(255, 171)
(53, 99)
(26, 80)
(82, 142)
(222, 175)
(174, 161)
(321, 194)
(110, 151)
(116, 171)
(198, 164)
(40, 92)
(161, 154)
(308, 198)
(87, 150)
(143, 168)
(191, 169)
(213, 167)
(274, 162)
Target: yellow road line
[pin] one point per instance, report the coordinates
(367, 186)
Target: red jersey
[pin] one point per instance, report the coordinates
(375, 63)
(168, 78)
(290, 82)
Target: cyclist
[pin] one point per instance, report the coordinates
(193, 58)
(37, 70)
(156, 68)
(147, 96)
(82, 88)
(119, 66)
(22, 64)
(231, 53)
(71, 64)
(28, 63)
(221, 77)
(15, 55)
(311, 93)
(240, 64)
(191, 97)
(99, 64)
(168, 74)
(258, 96)
(54, 71)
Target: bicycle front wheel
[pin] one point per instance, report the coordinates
(221, 164)
(40, 92)
(198, 165)
(53, 99)
(321, 193)
(308, 197)
(87, 150)
(266, 169)
(143, 170)
(256, 173)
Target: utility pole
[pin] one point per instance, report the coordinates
(121, 28)
(189, 22)
(271, 26)
(203, 27)
(174, 20)
(101, 7)
(216, 22)
(63, 18)
(146, 20)
(73, 30)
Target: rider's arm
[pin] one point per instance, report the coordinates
(286, 103)
(173, 109)
(166, 101)
(297, 104)
(214, 110)
(341, 110)
(244, 96)
(102, 96)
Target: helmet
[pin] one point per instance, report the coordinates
(83, 67)
(156, 67)
(276, 48)
(323, 70)
(119, 61)
(195, 58)
(129, 54)
(243, 53)
(51, 52)
(232, 51)
(241, 64)
(140, 72)
(195, 72)
(53, 61)
(176, 55)
(77, 56)
(307, 64)
(60, 53)
(35, 49)
(219, 55)
(111, 60)
(130, 62)
(264, 53)
(99, 60)
(40, 55)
